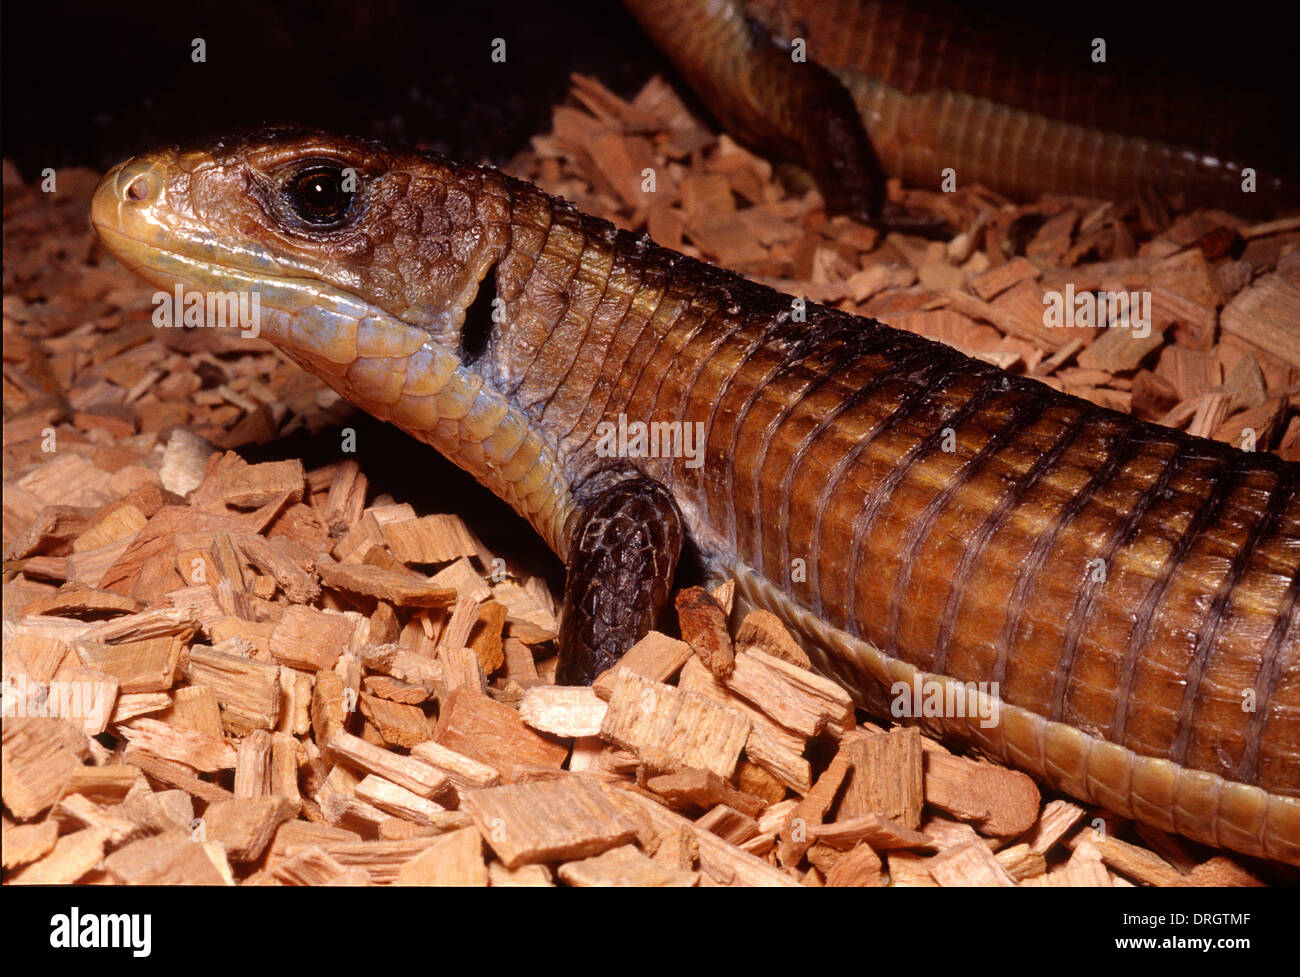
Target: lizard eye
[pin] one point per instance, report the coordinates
(322, 195)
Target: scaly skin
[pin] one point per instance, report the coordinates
(935, 88)
(1128, 587)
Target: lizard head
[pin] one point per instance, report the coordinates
(360, 263)
(342, 240)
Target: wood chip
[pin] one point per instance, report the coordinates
(722, 863)
(795, 697)
(811, 810)
(1001, 802)
(1058, 817)
(528, 876)
(194, 749)
(177, 774)
(252, 486)
(397, 800)
(880, 833)
(309, 639)
(1021, 862)
(886, 777)
(461, 669)
(382, 860)
(1084, 869)
(995, 281)
(688, 788)
(493, 734)
(623, 866)
(430, 539)
(968, 864)
(860, 867)
(563, 710)
(461, 577)
(73, 856)
(729, 824)
(113, 819)
(396, 588)
(399, 724)
(909, 870)
(668, 728)
(138, 666)
(464, 772)
(704, 628)
(770, 745)
(248, 691)
(25, 843)
(454, 859)
(244, 826)
(171, 858)
(405, 771)
(1137, 863)
(548, 820)
(1220, 871)
(1118, 350)
(313, 866)
(763, 630)
(1264, 315)
(656, 657)
(486, 637)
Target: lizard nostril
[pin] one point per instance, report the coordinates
(138, 189)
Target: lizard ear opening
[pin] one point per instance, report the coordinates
(477, 329)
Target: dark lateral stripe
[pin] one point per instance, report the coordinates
(707, 301)
(1272, 664)
(1030, 406)
(849, 404)
(856, 345)
(542, 263)
(918, 530)
(735, 323)
(671, 333)
(946, 370)
(635, 271)
(820, 371)
(1209, 629)
(559, 337)
(674, 302)
(724, 388)
(1206, 513)
(583, 344)
(656, 277)
(992, 524)
(1122, 536)
(1123, 447)
(776, 321)
(878, 340)
(865, 520)
(816, 334)
(712, 338)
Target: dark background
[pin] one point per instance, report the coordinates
(92, 82)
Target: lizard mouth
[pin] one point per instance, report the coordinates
(130, 211)
(301, 313)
